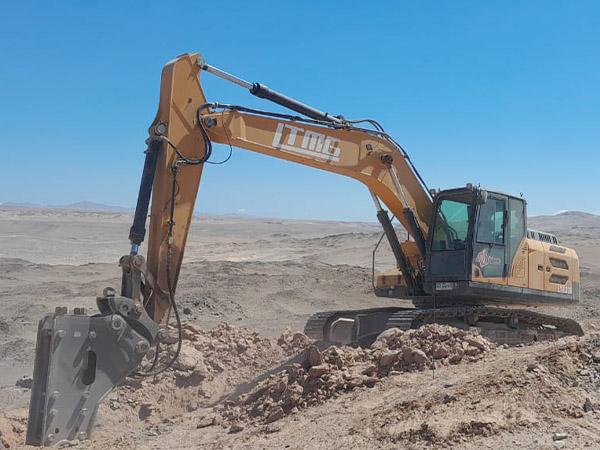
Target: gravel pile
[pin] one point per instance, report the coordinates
(226, 348)
(324, 374)
(209, 367)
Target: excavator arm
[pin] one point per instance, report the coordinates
(181, 138)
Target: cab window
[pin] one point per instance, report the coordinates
(451, 226)
(490, 225)
(516, 210)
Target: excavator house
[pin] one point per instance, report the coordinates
(469, 259)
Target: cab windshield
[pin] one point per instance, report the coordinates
(451, 226)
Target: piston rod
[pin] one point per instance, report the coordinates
(263, 91)
(403, 262)
(227, 76)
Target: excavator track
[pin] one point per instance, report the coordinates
(501, 325)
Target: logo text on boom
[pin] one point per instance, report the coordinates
(306, 142)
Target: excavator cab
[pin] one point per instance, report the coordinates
(469, 227)
(478, 251)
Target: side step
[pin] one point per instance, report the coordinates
(501, 325)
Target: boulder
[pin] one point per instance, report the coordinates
(387, 359)
(477, 342)
(457, 356)
(389, 334)
(313, 357)
(317, 371)
(439, 352)
(25, 381)
(275, 414)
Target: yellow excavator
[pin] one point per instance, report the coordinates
(469, 253)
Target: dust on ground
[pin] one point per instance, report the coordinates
(244, 381)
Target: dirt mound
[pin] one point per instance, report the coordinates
(211, 363)
(12, 431)
(574, 362)
(550, 390)
(539, 390)
(326, 374)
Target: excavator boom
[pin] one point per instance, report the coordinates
(181, 138)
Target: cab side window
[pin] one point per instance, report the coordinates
(516, 209)
(490, 225)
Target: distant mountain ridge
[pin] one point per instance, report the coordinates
(566, 222)
(100, 207)
(566, 216)
(79, 206)
(576, 214)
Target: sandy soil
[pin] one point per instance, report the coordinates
(260, 276)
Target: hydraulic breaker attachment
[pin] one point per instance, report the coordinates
(79, 360)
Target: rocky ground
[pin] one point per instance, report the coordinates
(246, 381)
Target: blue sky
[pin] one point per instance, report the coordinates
(505, 94)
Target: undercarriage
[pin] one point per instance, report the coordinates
(500, 325)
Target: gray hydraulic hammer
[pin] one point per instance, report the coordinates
(80, 359)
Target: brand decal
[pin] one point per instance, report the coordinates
(483, 258)
(306, 142)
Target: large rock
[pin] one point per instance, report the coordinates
(313, 357)
(439, 352)
(190, 360)
(206, 420)
(317, 371)
(472, 351)
(387, 359)
(236, 428)
(414, 356)
(389, 334)
(419, 357)
(458, 355)
(275, 414)
(25, 381)
(477, 342)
